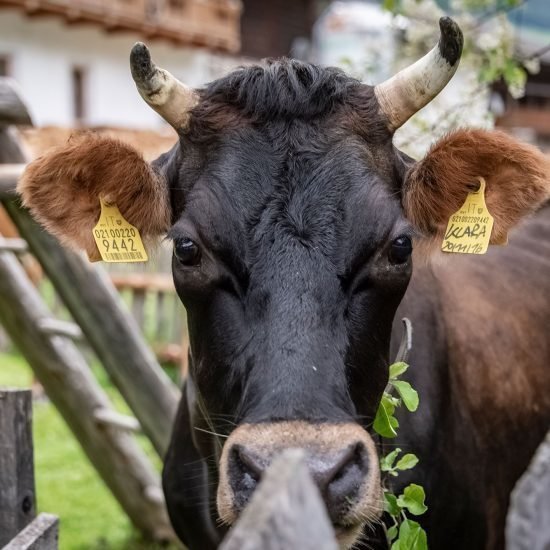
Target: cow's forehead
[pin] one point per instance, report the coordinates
(287, 150)
(331, 194)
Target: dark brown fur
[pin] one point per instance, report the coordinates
(480, 360)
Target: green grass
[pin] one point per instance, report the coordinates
(66, 483)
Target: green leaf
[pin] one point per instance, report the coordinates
(413, 499)
(394, 401)
(386, 462)
(389, 402)
(411, 537)
(384, 422)
(407, 462)
(397, 369)
(391, 533)
(407, 394)
(390, 504)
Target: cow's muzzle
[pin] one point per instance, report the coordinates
(341, 459)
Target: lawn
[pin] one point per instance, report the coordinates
(66, 483)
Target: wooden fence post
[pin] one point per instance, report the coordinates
(19, 529)
(528, 520)
(17, 497)
(286, 511)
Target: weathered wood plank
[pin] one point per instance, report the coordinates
(161, 319)
(528, 521)
(17, 493)
(69, 383)
(162, 282)
(138, 308)
(286, 511)
(9, 174)
(116, 419)
(13, 244)
(41, 534)
(61, 328)
(12, 108)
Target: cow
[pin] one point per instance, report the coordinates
(293, 217)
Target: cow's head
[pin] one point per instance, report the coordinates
(292, 217)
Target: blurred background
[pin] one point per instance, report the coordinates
(69, 61)
(70, 57)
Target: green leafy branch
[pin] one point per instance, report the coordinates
(404, 534)
(385, 422)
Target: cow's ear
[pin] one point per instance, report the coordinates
(517, 181)
(62, 190)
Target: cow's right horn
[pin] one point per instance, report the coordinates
(409, 90)
(170, 98)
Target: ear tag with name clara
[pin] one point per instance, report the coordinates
(469, 229)
(117, 240)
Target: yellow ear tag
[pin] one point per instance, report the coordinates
(469, 229)
(117, 240)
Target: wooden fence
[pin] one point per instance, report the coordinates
(528, 521)
(50, 347)
(20, 529)
(148, 291)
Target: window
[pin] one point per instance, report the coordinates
(78, 78)
(4, 65)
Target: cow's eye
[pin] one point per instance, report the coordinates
(400, 250)
(187, 252)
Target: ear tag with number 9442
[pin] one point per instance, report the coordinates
(469, 229)
(117, 240)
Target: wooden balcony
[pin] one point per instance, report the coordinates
(538, 119)
(214, 24)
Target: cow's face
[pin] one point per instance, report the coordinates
(291, 218)
(291, 254)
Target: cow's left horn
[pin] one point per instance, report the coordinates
(170, 98)
(409, 90)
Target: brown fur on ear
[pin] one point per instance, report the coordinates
(517, 177)
(63, 187)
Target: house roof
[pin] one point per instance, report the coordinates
(214, 24)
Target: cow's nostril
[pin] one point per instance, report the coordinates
(248, 462)
(245, 471)
(341, 482)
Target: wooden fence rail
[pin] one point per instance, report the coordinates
(156, 308)
(41, 534)
(19, 529)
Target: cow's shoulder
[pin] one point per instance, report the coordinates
(484, 321)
